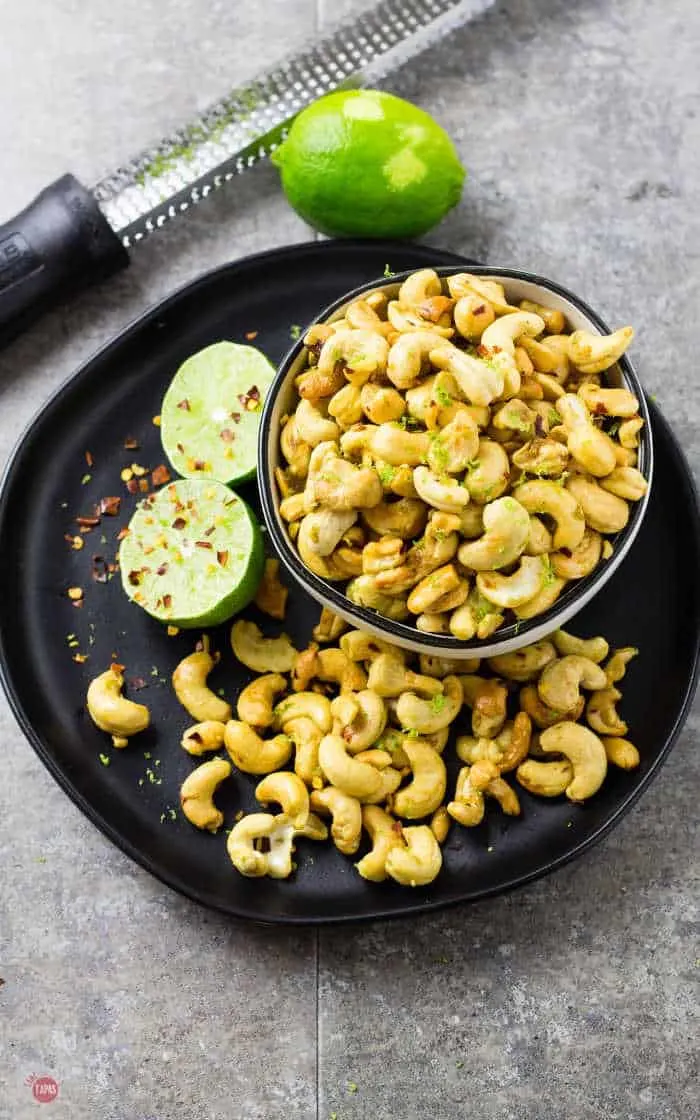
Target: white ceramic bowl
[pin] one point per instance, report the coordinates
(282, 398)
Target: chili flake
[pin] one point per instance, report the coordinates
(180, 448)
(134, 577)
(227, 435)
(251, 399)
(109, 506)
(87, 523)
(222, 557)
(160, 571)
(203, 544)
(185, 405)
(123, 532)
(160, 475)
(131, 443)
(143, 485)
(250, 335)
(132, 486)
(167, 601)
(89, 459)
(179, 523)
(235, 416)
(197, 465)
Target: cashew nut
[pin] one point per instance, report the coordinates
(499, 341)
(358, 779)
(595, 649)
(443, 590)
(345, 407)
(603, 511)
(309, 705)
(263, 655)
(112, 712)
(335, 665)
(468, 806)
(426, 716)
(189, 683)
(543, 600)
(480, 382)
(627, 483)
(329, 627)
(455, 445)
(346, 815)
(472, 315)
(197, 794)
(381, 405)
(575, 563)
(621, 752)
(609, 402)
(385, 834)
(544, 457)
(319, 535)
(443, 493)
(593, 353)
(408, 355)
(519, 587)
(554, 321)
(527, 663)
(363, 591)
(585, 752)
(545, 779)
(487, 699)
(398, 447)
(601, 713)
(255, 702)
(252, 754)
(203, 737)
(295, 450)
(312, 426)
(361, 352)
(540, 713)
(252, 830)
(418, 860)
(334, 483)
(405, 519)
(427, 787)
(289, 792)
(542, 496)
(388, 676)
(616, 667)
(440, 824)
(306, 737)
(366, 724)
(558, 686)
(506, 532)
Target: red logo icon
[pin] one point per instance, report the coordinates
(44, 1089)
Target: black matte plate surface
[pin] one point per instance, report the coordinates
(652, 602)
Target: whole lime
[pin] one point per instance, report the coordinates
(362, 163)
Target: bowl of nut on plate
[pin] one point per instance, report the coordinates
(456, 461)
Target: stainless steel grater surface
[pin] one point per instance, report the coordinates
(250, 122)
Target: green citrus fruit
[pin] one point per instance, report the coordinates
(211, 412)
(193, 555)
(362, 163)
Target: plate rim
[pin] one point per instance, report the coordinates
(190, 891)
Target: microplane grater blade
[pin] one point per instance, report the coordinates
(231, 136)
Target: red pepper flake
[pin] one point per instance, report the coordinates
(162, 569)
(131, 443)
(599, 409)
(123, 532)
(137, 683)
(222, 557)
(180, 448)
(227, 435)
(203, 544)
(88, 522)
(109, 506)
(89, 459)
(134, 577)
(235, 416)
(184, 405)
(208, 532)
(116, 667)
(115, 567)
(250, 335)
(160, 475)
(167, 601)
(197, 465)
(179, 523)
(251, 399)
(132, 486)
(99, 569)
(195, 737)
(143, 485)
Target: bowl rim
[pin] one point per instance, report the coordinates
(506, 638)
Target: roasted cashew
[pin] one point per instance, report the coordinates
(295, 450)
(559, 684)
(385, 834)
(317, 532)
(419, 286)
(314, 385)
(381, 404)
(390, 782)
(203, 737)
(398, 447)
(426, 716)
(361, 646)
(593, 353)
(540, 713)
(506, 532)
(479, 382)
(418, 860)
(505, 795)
(112, 712)
(525, 664)
(334, 483)
(361, 352)
(365, 725)
(475, 617)
(621, 752)
(585, 752)
(427, 787)
(462, 283)
(263, 655)
(499, 341)
(603, 511)
(442, 590)
(609, 402)
(544, 457)
(627, 483)
(329, 627)
(515, 740)
(289, 792)
(468, 806)
(455, 445)
(409, 354)
(575, 563)
(442, 493)
(346, 816)
(440, 824)
(362, 315)
(545, 779)
(251, 830)
(554, 321)
(312, 426)
(551, 590)
(487, 699)
(590, 446)
(388, 676)
(345, 407)
(601, 714)
(513, 420)
(472, 315)
(304, 705)
(256, 701)
(519, 587)
(628, 433)
(335, 665)
(357, 779)
(434, 666)
(595, 649)
(616, 666)
(189, 682)
(436, 547)
(363, 591)
(252, 754)
(197, 794)
(405, 519)
(547, 497)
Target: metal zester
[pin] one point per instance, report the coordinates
(70, 237)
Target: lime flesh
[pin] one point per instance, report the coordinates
(211, 412)
(193, 555)
(363, 163)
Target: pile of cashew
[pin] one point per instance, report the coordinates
(357, 734)
(455, 460)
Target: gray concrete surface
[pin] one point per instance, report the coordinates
(573, 999)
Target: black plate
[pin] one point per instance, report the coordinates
(652, 602)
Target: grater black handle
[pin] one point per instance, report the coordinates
(57, 245)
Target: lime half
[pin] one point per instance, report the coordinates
(211, 412)
(193, 554)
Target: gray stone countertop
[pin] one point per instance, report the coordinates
(571, 999)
